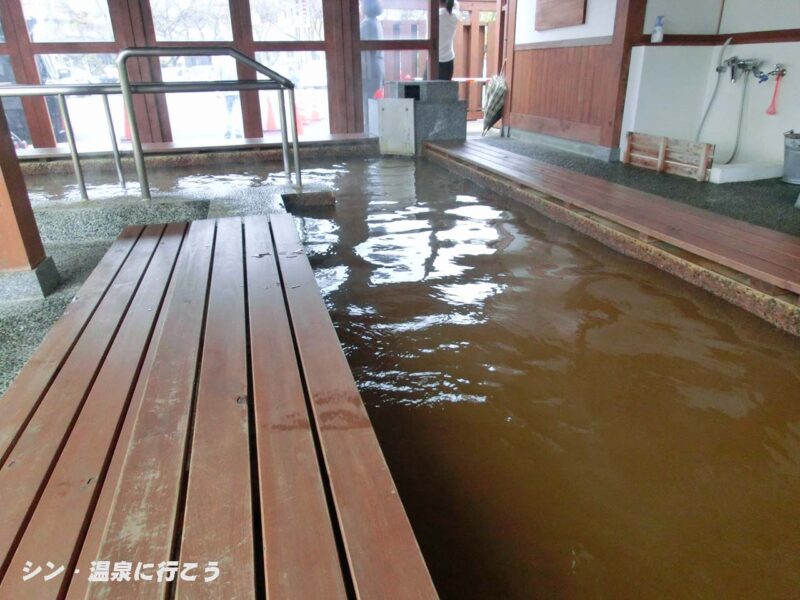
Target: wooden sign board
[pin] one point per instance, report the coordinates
(554, 14)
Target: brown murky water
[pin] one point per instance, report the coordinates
(561, 421)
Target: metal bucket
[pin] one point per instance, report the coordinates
(791, 157)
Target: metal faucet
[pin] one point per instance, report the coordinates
(736, 64)
(777, 71)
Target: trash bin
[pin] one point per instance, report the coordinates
(791, 157)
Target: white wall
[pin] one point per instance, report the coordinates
(668, 88)
(753, 15)
(693, 17)
(600, 16)
(703, 16)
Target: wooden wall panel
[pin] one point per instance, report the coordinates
(576, 92)
(568, 92)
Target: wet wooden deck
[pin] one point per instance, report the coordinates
(759, 253)
(193, 404)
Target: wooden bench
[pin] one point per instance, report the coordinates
(193, 404)
(763, 254)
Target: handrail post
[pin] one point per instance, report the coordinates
(73, 149)
(295, 148)
(284, 135)
(275, 82)
(114, 146)
(136, 142)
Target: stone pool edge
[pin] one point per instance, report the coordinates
(778, 307)
(101, 162)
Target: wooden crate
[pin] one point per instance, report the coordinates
(669, 155)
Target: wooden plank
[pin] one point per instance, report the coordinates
(646, 162)
(626, 155)
(664, 226)
(704, 163)
(383, 555)
(23, 395)
(689, 171)
(142, 520)
(662, 154)
(218, 519)
(596, 194)
(679, 145)
(775, 246)
(57, 525)
(30, 462)
(78, 584)
(299, 548)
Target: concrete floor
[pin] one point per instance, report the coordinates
(769, 203)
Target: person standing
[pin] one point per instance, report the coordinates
(372, 67)
(448, 22)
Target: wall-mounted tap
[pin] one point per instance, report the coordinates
(736, 64)
(777, 71)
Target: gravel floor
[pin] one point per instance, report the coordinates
(77, 233)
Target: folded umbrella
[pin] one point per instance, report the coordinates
(495, 98)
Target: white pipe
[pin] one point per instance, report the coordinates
(716, 89)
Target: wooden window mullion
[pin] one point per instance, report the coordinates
(23, 64)
(242, 26)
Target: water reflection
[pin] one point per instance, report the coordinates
(468, 294)
(561, 421)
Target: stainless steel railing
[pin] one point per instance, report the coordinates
(273, 81)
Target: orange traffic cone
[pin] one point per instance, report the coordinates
(271, 124)
(127, 126)
(303, 117)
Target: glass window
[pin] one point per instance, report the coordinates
(15, 115)
(68, 20)
(86, 112)
(202, 116)
(2, 33)
(384, 20)
(191, 20)
(308, 71)
(287, 20)
(380, 66)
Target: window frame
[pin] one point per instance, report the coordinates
(132, 26)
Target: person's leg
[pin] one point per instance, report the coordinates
(446, 70)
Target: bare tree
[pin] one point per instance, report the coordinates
(298, 20)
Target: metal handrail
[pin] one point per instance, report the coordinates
(157, 51)
(127, 89)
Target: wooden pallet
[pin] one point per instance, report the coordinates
(669, 155)
(193, 404)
